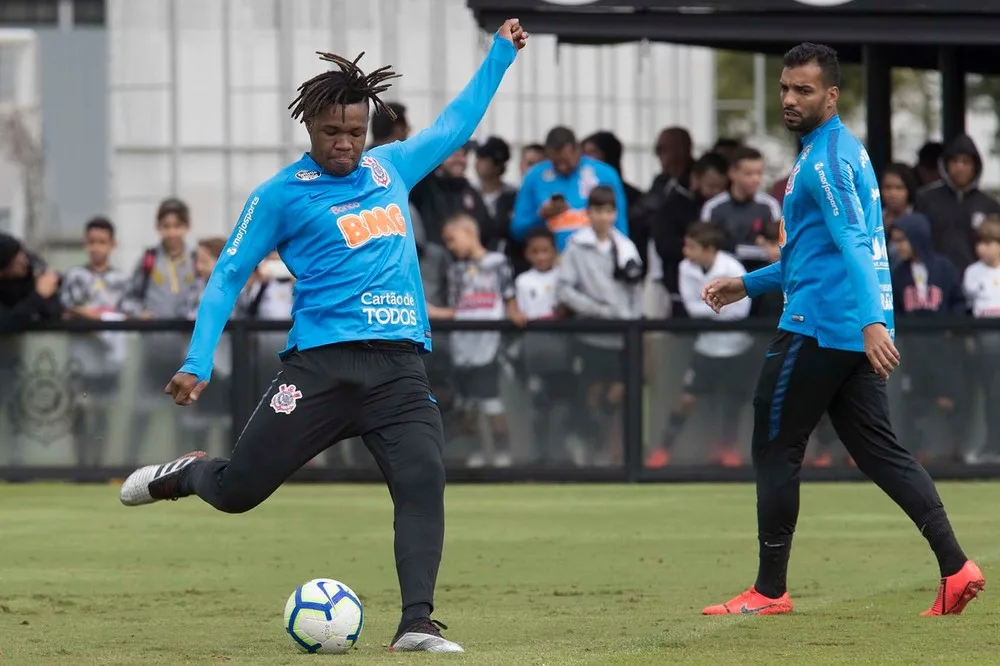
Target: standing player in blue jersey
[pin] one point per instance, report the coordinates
(834, 349)
(340, 221)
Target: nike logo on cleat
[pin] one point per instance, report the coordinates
(746, 610)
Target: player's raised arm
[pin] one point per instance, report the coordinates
(832, 186)
(257, 232)
(418, 156)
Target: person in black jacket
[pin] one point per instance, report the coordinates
(926, 284)
(678, 210)
(28, 288)
(492, 157)
(955, 205)
(29, 291)
(445, 192)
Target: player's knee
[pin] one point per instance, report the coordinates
(422, 476)
(236, 498)
(235, 504)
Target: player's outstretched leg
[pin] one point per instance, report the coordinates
(303, 412)
(860, 414)
(792, 393)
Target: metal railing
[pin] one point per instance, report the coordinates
(83, 400)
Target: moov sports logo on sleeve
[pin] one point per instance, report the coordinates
(359, 228)
(241, 230)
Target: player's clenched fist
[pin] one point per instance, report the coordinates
(511, 30)
(720, 293)
(185, 388)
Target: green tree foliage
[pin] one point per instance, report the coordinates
(984, 91)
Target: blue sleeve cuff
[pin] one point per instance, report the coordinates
(501, 43)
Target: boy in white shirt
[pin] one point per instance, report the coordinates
(719, 367)
(982, 291)
(545, 356)
(536, 288)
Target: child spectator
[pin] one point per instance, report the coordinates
(546, 356)
(536, 287)
(481, 285)
(600, 277)
(720, 363)
(212, 410)
(159, 289)
(160, 282)
(94, 291)
(982, 289)
(925, 284)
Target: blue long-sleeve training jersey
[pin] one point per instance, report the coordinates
(347, 240)
(834, 268)
(542, 181)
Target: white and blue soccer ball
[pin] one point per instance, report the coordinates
(324, 615)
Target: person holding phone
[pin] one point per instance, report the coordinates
(29, 289)
(554, 192)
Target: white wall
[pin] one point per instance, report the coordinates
(199, 90)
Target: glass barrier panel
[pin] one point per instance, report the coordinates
(552, 400)
(96, 400)
(699, 392)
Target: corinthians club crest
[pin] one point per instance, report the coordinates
(45, 398)
(283, 402)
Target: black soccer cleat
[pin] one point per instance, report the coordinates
(153, 483)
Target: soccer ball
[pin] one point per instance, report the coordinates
(324, 615)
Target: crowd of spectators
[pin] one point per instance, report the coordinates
(576, 239)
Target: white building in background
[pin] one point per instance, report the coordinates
(199, 89)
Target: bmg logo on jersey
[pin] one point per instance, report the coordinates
(886, 297)
(880, 251)
(389, 308)
(359, 228)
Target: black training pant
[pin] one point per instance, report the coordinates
(798, 383)
(375, 390)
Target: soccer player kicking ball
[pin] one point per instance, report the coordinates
(340, 220)
(834, 349)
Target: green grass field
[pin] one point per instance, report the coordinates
(531, 575)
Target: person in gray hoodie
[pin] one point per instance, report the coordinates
(600, 277)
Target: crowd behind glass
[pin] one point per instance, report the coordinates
(576, 240)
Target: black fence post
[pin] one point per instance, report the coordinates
(243, 378)
(633, 401)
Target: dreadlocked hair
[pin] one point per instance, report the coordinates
(339, 87)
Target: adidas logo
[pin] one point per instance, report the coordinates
(174, 466)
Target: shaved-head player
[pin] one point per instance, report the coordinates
(834, 349)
